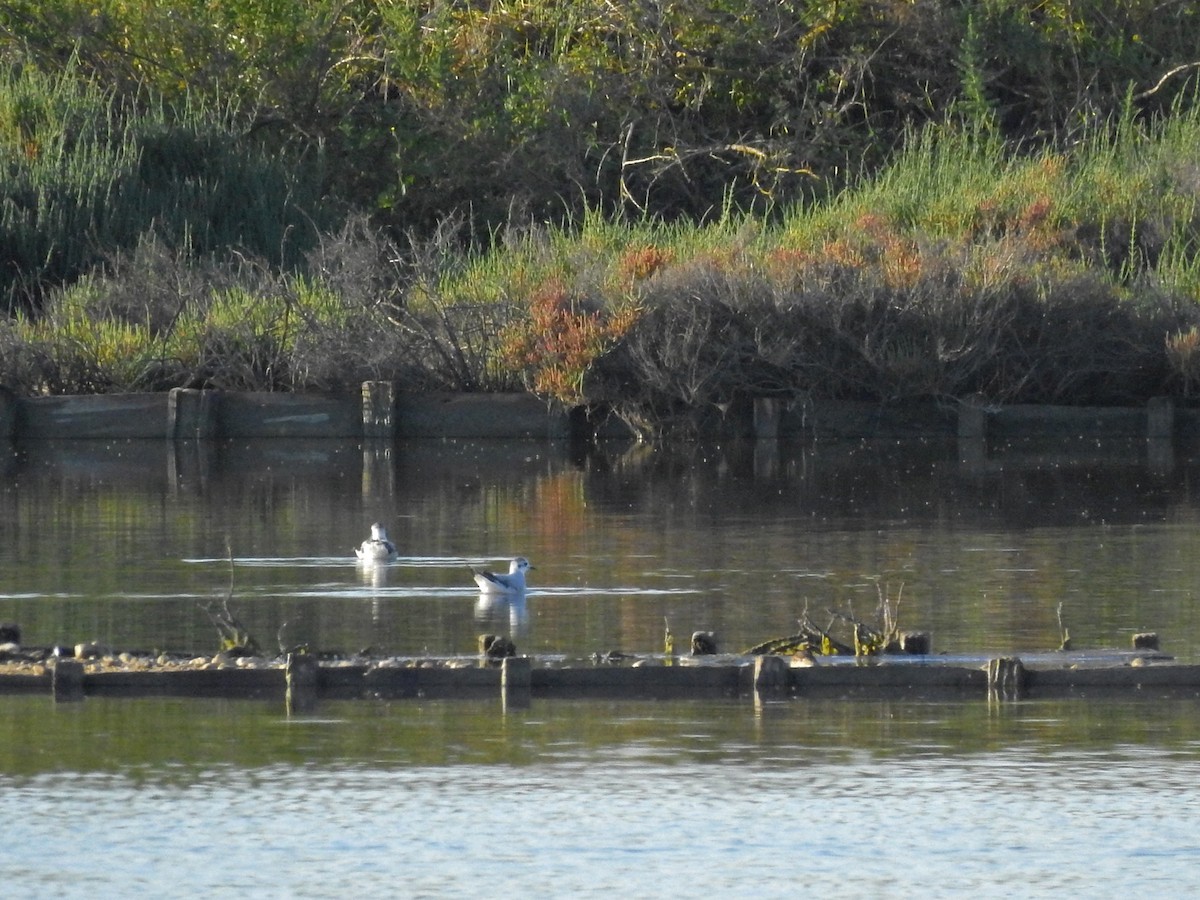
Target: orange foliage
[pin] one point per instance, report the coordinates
(554, 347)
(1035, 214)
(787, 264)
(639, 263)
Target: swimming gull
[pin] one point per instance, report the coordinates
(376, 548)
(512, 583)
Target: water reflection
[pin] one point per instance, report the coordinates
(373, 573)
(739, 539)
(1066, 799)
(506, 613)
(1070, 797)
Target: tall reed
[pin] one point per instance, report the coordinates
(87, 175)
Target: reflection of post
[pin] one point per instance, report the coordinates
(771, 676)
(972, 432)
(516, 679)
(191, 426)
(378, 475)
(66, 680)
(1160, 434)
(188, 465)
(768, 414)
(379, 430)
(1007, 679)
(8, 414)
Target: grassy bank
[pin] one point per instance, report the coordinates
(962, 268)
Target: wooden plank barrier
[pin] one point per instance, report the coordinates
(302, 681)
(378, 411)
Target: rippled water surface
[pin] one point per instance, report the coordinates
(592, 799)
(123, 544)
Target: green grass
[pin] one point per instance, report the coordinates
(89, 175)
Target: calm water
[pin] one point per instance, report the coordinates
(123, 543)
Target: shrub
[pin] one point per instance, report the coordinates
(559, 340)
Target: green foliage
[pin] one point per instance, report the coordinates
(534, 109)
(89, 175)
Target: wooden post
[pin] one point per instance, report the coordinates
(1145, 640)
(191, 414)
(704, 643)
(771, 676)
(66, 680)
(301, 673)
(379, 410)
(1006, 678)
(516, 680)
(916, 643)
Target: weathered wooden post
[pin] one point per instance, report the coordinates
(1145, 640)
(191, 414)
(66, 680)
(516, 681)
(704, 643)
(1006, 678)
(916, 643)
(302, 674)
(495, 647)
(379, 410)
(771, 677)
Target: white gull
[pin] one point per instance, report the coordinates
(512, 583)
(376, 548)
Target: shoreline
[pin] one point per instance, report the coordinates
(378, 412)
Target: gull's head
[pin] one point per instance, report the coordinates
(520, 564)
(378, 532)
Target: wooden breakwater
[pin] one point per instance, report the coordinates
(301, 682)
(379, 412)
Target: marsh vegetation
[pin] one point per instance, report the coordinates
(650, 208)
